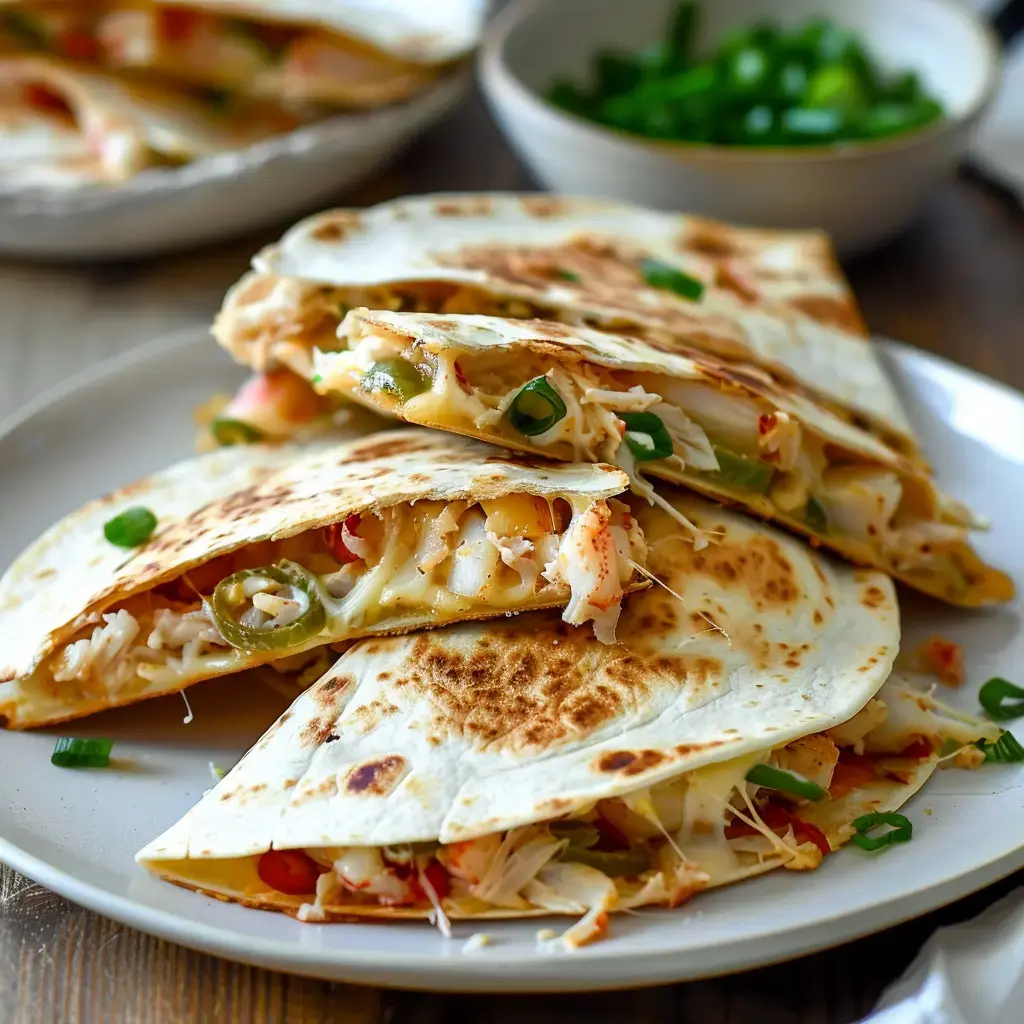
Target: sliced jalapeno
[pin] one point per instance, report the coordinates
(397, 377)
(743, 474)
(229, 599)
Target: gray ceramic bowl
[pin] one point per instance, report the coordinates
(861, 193)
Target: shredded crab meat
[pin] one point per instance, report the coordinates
(866, 502)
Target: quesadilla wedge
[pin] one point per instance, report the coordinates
(727, 431)
(61, 125)
(519, 768)
(293, 52)
(293, 550)
(774, 299)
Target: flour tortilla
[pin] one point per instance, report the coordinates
(222, 502)
(479, 728)
(511, 344)
(116, 128)
(776, 299)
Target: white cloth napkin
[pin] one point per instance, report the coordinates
(969, 973)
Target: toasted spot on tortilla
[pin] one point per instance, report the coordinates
(376, 778)
(830, 310)
(545, 206)
(708, 239)
(759, 566)
(337, 225)
(873, 597)
(466, 206)
(685, 749)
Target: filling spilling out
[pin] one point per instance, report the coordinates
(281, 320)
(658, 846)
(218, 54)
(715, 437)
(415, 561)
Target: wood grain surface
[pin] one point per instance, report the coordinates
(953, 285)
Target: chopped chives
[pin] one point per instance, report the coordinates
(902, 830)
(661, 275)
(76, 753)
(1001, 699)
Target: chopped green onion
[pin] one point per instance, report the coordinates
(815, 515)
(72, 753)
(661, 275)
(784, 782)
(26, 29)
(228, 432)
(566, 275)
(743, 474)
(993, 696)
(317, 378)
(131, 528)
(1005, 750)
(536, 408)
(614, 863)
(901, 832)
(646, 436)
(397, 377)
(228, 597)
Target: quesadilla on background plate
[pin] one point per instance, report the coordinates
(775, 299)
(61, 125)
(335, 53)
(265, 554)
(519, 768)
(727, 431)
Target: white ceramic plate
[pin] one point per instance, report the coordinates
(229, 194)
(77, 831)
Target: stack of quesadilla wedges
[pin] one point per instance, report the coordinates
(97, 92)
(539, 667)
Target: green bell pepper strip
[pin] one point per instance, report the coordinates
(614, 863)
(784, 782)
(815, 515)
(743, 474)
(661, 275)
(223, 605)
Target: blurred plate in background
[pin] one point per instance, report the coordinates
(218, 197)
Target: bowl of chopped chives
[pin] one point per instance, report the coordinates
(809, 114)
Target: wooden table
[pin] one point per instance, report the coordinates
(955, 285)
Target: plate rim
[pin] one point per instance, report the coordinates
(520, 972)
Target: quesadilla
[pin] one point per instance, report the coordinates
(774, 299)
(64, 126)
(727, 431)
(294, 52)
(520, 768)
(270, 553)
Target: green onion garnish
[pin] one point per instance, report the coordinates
(993, 696)
(536, 408)
(902, 830)
(1005, 750)
(646, 436)
(815, 515)
(785, 782)
(566, 275)
(71, 753)
(131, 528)
(661, 275)
(228, 432)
